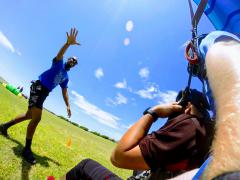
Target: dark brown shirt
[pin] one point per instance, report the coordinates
(181, 144)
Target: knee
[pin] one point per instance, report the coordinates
(28, 115)
(78, 172)
(85, 161)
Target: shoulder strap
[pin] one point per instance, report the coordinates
(199, 12)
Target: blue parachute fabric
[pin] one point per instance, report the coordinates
(202, 169)
(224, 14)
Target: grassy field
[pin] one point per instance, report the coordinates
(49, 145)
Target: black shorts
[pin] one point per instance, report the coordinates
(38, 94)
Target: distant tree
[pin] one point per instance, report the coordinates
(65, 119)
(105, 137)
(96, 133)
(113, 140)
(50, 111)
(75, 124)
(84, 128)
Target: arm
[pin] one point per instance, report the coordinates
(127, 154)
(221, 62)
(71, 40)
(65, 97)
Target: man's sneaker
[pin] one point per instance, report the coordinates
(28, 156)
(3, 130)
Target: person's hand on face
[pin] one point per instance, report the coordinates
(165, 110)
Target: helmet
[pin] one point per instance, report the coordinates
(74, 59)
(195, 97)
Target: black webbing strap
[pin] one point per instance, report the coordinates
(191, 9)
(198, 14)
(195, 17)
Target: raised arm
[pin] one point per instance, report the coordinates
(71, 40)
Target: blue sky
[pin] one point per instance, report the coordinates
(131, 55)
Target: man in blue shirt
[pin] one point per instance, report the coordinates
(39, 90)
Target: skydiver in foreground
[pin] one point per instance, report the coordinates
(221, 52)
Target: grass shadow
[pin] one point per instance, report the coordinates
(26, 167)
(42, 160)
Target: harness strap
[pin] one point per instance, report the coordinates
(191, 9)
(193, 46)
(199, 12)
(191, 52)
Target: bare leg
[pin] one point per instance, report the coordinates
(36, 117)
(23, 117)
(223, 64)
(4, 127)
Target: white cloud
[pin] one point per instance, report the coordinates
(7, 44)
(113, 134)
(127, 126)
(19, 53)
(129, 26)
(99, 73)
(144, 72)
(153, 92)
(149, 93)
(119, 99)
(94, 111)
(167, 97)
(126, 41)
(121, 85)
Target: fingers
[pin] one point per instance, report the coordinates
(77, 43)
(76, 33)
(69, 115)
(69, 112)
(72, 37)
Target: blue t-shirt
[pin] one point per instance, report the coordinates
(56, 75)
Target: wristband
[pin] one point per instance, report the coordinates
(152, 113)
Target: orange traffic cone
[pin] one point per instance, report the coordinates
(69, 142)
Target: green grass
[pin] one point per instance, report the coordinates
(49, 145)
